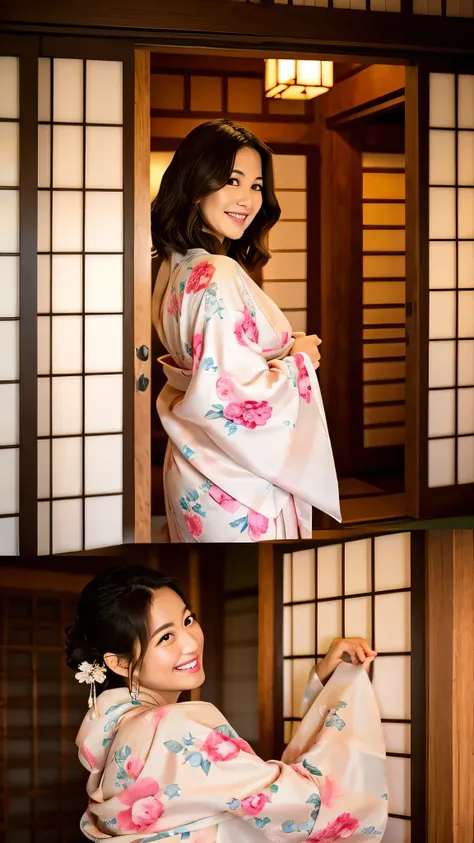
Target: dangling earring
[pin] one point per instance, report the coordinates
(134, 692)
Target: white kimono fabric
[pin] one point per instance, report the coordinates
(181, 772)
(249, 452)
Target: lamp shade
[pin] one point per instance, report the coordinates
(293, 79)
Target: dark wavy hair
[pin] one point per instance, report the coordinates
(112, 615)
(202, 164)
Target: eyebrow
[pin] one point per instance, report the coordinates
(166, 625)
(243, 174)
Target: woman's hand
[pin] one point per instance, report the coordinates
(309, 344)
(357, 648)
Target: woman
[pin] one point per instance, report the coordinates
(249, 451)
(160, 769)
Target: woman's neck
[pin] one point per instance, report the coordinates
(158, 697)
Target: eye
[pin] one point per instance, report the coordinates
(191, 618)
(259, 187)
(165, 638)
(233, 179)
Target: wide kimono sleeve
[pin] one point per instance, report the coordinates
(265, 415)
(181, 768)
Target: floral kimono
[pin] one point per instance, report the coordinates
(249, 453)
(180, 771)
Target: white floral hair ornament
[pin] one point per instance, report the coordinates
(90, 674)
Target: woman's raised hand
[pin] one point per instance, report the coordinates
(357, 648)
(309, 344)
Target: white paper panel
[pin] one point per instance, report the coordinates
(9, 286)
(288, 235)
(68, 90)
(465, 101)
(44, 487)
(104, 157)
(67, 221)
(67, 526)
(9, 468)
(329, 624)
(398, 831)
(442, 264)
(43, 528)
(104, 283)
(67, 283)
(303, 571)
(10, 219)
(103, 464)
(67, 345)
(297, 319)
(292, 204)
(392, 561)
(287, 265)
(397, 737)
(301, 671)
(358, 618)
(442, 112)
(67, 156)
(103, 403)
(10, 155)
(287, 730)
(103, 343)
(392, 622)
(9, 358)
(104, 222)
(330, 571)
(287, 566)
(9, 87)
(9, 413)
(375, 213)
(67, 406)
(9, 544)
(44, 221)
(357, 566)
(383, 266)
(398, 780)
(442, 315)
(466, 459)
(442, 213)
(44, 283)
(384, 292)
(466, 363)
(103, 522)
(441, 412)
(466, 212)
(465, 158)
(303, 629)
(390, 240)
(67, 467)
(44, 89)
(466, 314)
(44, 386)
(442, 157)
(104, 92)
(287, 675)
(442, 363)
(466, 264)
(391, 683)
(287, 616)
(465, 411)
(383, 185)
(286, 293)
(159, 163)
(441, 463)
(44, 345)
(289, 171)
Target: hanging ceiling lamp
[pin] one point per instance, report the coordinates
(291, 79)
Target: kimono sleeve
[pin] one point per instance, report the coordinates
(266, 416)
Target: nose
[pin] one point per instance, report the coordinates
(190, 645)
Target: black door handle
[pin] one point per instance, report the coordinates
(142, 383)
(142, 352)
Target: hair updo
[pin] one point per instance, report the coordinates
(112, 614)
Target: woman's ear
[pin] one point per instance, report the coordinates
(116, 664)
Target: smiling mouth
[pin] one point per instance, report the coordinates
(240, 217)
(192, 665)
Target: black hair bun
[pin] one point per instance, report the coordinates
(77, 648)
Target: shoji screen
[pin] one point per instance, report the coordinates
(451, 280)
(284, 276)
(80, 304)
(383, 263)
(9, 301)
(359, 588)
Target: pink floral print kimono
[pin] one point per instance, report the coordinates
(180, 771)
(249, 453)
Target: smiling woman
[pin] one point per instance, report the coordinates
(249, 452)
(159, 768)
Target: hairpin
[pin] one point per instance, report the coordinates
(90, 674)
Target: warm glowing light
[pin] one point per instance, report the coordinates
(291, 79)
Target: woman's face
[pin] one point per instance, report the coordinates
(173, 660)
(229, 211)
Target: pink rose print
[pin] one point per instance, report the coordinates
(194, 525)
(329, 791)
(285, 337)
(225, 389)
(143, 807)
(304, 383)
(246, 327)
(223, 499)
(197, 351)
(87, 754)
(258, 525)
(174, 305)
(157, 715)
(254, 804)
(343, 826)
(221, 747)
(134, 766)
(250, 414)
(302, 772)
(200, 277)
